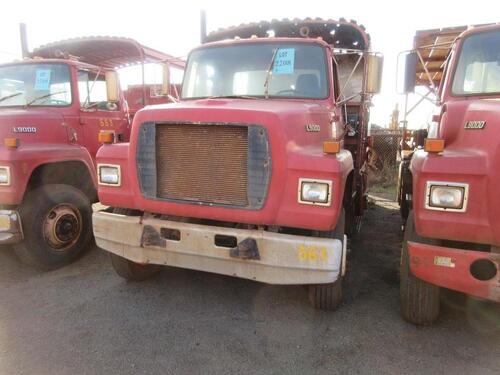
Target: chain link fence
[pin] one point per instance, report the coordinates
(383, 159)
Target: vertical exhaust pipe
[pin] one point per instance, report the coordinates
(24, 40)
(203, 26)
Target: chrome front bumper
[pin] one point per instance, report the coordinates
(282, 258)
(11, 230)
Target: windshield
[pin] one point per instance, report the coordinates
(291, 71)
(478, 69)
(35, 85)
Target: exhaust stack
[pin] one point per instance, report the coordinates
(203, 26)
(24, 40)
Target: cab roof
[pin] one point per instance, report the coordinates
(105, 51)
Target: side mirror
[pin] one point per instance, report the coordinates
(112, 86)
(165, 85)
(375, 63)
(410, 76)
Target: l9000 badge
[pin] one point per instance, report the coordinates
(24, 129)
(475, 125)
(313, 128)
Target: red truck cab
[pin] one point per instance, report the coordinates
(251, 174)
(52, 108)
(452, 237)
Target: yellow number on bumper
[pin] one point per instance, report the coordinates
(312, 253)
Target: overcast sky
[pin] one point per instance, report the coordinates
(173, 26)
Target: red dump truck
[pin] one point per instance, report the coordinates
(53, 104)
(259, 170)
(452, 234)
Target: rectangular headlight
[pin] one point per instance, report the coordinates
(447, 196)
(109, 174)
(4, 176)
(315, 192)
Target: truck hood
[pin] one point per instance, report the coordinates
(479, 151)
(294, 129)
(288, 118)
(457, 114)
(31, 125)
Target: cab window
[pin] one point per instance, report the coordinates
(92, 91)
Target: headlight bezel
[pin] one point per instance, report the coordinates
(327, 183)
(9, 178)
(463, 187)
(112, 166)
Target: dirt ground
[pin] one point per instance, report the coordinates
(83, 319)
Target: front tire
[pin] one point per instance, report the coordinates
(328, 297)
(127, 269)
(57, 224)
(419, 299)
(132, 271)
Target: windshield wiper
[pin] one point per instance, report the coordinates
(43, 97)
(10, 96)
(269, 73)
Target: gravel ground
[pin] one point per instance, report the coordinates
(83, 319)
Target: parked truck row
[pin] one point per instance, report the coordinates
(254, 167)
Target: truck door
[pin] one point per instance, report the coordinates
(96, 113)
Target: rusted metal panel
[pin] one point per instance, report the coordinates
(105, 51)
(434, 47)
(246, 249)
(202, 163)
(339, 33)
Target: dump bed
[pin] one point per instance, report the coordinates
(341, 33)
(434, 47)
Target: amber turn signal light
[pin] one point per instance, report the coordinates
(11, 142)
(331, 147)
(434, 145)
(106, 137)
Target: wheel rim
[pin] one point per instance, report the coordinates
(62, 227)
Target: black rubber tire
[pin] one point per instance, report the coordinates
(328, 297)
(131, 271)
(419, 299)
(127, 269)
(404, 207)
(34, 250)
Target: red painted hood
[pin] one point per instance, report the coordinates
(295, 153)
(471, 156)
(289, 117)
(46, 122)
(485, 143)
(458, 113)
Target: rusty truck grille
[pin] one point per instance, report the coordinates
(220, 164)
(202, 163)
